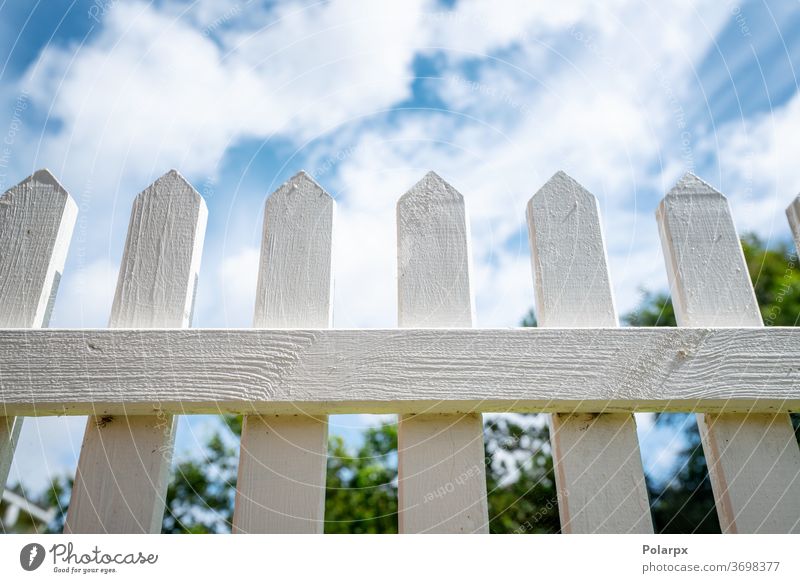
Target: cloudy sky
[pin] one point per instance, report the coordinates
(367, 97)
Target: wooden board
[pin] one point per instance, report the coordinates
(281, 488)
(75, 372)
(282, 464)
(598, 466)
(441, 471)
(37, 217)
(123, 469)
(753, 460)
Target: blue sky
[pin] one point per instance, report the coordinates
(495, 96)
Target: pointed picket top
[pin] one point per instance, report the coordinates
(160, 265)
(431, 187)
(44, 187)
(433, 256)
(295, 270)
(705, 262)
(37, 217)
(45, 177)
(568, 256)
(560, 186)
(692, 185)
(174, 186)
(300, 186)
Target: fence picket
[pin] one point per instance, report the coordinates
(753, 460)
(123, 470)
(793, 215)
(37, 217)
(282, 464)
(442, 477)
(598, 466)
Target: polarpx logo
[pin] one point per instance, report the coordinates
(31, 556)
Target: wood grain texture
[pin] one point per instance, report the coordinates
(441, 471)
(753, 460)
(123, 469)
(75, 372)
(433, 257)
(37, 217)
(122, 475)
(281, 483)
(598, 466)
(295, 272)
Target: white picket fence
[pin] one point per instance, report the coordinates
(289, 372)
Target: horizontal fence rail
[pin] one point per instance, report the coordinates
(116, 372)
(436, 372)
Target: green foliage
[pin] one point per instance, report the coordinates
(685, 504)
(519, 475)
(361, 489)
(655, 309)
(776, 280)
(200, 497)
(529, 321)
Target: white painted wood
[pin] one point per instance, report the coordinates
(123, 470)
(598, 466)
(10, 428)
(295, 270)
(433, 257)
(281, 488)
(37, 217)
(282, 465)
(753, 460)
(441, 472)
(793, 214)
(75, 372)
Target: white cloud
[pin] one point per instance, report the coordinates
(84, 299)
(154, 90)
(235, 292)
(758, 169)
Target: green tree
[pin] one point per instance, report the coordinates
(361, 489)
